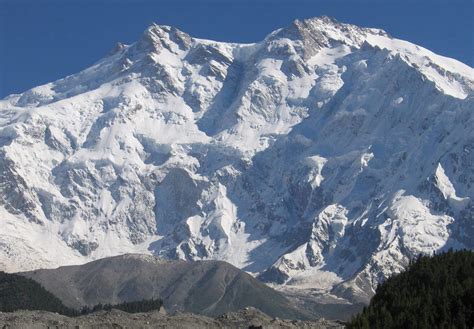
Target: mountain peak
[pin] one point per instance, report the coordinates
(157, 36)
(322, 32)
(325, 22)
(282, 157)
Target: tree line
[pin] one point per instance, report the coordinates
(145, 305)
(20, 293)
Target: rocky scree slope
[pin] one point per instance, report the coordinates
(321, 158)
(249, 317)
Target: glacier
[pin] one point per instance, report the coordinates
(320, 159)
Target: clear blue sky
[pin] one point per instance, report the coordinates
(43, 40)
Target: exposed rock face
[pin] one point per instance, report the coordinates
(322, 157)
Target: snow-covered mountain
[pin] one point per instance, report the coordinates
(321, 158)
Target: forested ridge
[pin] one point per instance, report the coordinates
(20, 293)
(130, 307)
(433, 292)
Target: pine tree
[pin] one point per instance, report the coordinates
(433, 292)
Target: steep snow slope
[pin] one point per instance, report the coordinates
(321, 158)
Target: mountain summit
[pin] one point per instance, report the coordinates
(321, 158)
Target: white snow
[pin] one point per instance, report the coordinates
(448, 191)
(198, 149)
(449, 75)
(421, 231)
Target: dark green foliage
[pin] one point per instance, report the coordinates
(21, 293)
(433, 292)
(130, 307)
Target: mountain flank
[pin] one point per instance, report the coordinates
(320, 159)
(202, 287)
